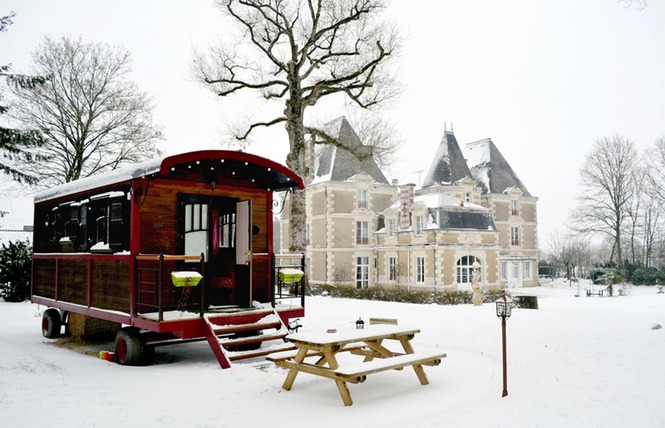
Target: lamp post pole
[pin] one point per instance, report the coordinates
(503, 309)
(505, 369)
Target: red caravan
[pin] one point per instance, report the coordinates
(128, 246)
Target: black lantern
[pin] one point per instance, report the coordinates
(360, 324)
(504, 307)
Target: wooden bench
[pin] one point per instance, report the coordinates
(598, 293)
(358, 372)
(390, 321)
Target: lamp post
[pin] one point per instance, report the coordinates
(503, 310)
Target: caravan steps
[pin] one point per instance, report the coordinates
(245, 335)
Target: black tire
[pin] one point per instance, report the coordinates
(129, 348)
(51, 323)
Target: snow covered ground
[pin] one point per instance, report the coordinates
(574, 362)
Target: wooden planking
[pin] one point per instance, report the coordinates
(159, 216)
(110, 284)
(43, 278)
(73, 281)
(260, 279)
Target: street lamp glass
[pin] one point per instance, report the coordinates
(503, 308)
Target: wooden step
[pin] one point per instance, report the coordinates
(239, 328)
(246, 317)
(262, 352)
(241, 312)
(253, 339)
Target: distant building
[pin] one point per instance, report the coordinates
(363, 230)
(13, 235)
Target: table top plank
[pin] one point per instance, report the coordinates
(322, 339)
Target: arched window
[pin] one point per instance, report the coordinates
(465, 269)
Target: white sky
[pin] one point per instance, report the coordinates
(542, 79)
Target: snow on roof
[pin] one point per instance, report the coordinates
(112, 177)
(441, 200)
(206, 165)
(493, 174)
(448, 164)
(334, 163)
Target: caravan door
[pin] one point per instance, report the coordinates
(243, 291)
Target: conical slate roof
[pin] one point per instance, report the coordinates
(448, 164)
(490, 169)
(333, 163)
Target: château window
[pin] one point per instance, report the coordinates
(420, 270)
(514, 208)
(526, 269)
(392, 268)
(362, 198)
(362, 272)
(465, 269)
(515, 236)
(420, 220)
(362, 233)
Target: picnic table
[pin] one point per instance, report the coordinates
(317, 354)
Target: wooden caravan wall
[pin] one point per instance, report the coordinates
(158, 226)
(87, 280)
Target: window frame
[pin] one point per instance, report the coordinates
(526, 269)
(419, 225)
(362, 272)
(464, 269)
(392, 268)
(362, 232)
(363, 199)
(515, 236)
(515, 207)
(420, 270)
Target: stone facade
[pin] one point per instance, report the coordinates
(364, 231)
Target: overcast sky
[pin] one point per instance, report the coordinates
(542, 79)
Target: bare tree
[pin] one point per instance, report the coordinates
(609, 189)
(652, 228)
(655, 188)
(92, 116)
(655, 161)
(635, 214)
(16, 143)
(298, 53)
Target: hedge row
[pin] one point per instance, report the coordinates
(404, 295)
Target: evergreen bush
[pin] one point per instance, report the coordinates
(15, 270)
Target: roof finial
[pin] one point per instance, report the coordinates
(445, 126)
(452, 129)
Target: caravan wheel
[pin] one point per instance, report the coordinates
(128, 347)
(51, 323)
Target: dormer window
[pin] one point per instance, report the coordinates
(420, 220)
(362, 198)
(514, 208)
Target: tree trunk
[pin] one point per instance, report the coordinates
(295, 112)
